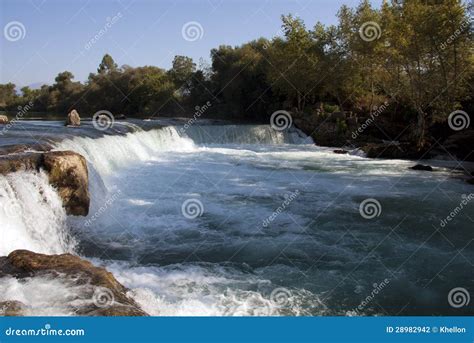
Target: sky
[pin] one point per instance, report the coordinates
(42, 38)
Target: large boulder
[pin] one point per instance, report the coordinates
(12, 308)
(101, 294)
(67, 172)
(4, 119)
(73, 119)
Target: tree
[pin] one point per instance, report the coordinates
(107, 65)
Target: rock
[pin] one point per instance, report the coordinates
(73, 119)
(102, 294)
(121, 116)
(461, 144)
(12, 308)
(4, 119)
(67, 172)
(340, 151)
(422, 167)
(389, 150)
(470, 181)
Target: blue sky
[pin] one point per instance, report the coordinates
(57, 32)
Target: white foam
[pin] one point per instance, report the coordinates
(32, 215)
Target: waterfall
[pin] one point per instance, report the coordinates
(32, 215)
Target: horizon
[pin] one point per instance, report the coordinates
(132, 32)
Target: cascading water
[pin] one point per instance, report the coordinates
(31, 215)
(277, 219)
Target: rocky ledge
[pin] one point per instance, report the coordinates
(101, 294)
(67, 172)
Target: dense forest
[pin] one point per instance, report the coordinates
(407, 65)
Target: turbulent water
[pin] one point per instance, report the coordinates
(245, 220)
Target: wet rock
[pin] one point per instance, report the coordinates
(340, 151)
(422, 167)
(4, 119)
(73, 119)
(12, 308)
(391, 150)
(67, 172)
(103, 295)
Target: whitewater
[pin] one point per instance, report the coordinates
(245, 220)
